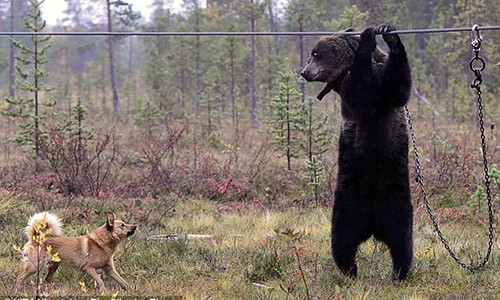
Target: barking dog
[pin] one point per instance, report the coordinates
(48, 246)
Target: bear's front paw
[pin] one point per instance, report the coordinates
(367, 43)
(390, 39)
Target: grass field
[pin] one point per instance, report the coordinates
(256, 253)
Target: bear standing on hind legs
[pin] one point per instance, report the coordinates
(373, 190)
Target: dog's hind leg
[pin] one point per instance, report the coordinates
(111, 272)
(52, 269)
(92, 273)
(29, 269)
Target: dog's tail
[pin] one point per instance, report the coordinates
(43, 222)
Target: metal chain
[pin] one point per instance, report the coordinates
(477, 65)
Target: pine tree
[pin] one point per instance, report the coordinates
(232, 48)
(209, 106)
(127, 17)
(32, 72)
(350, 17)
(149, 116)
(318, 139)
(287, 120)
(157, 75)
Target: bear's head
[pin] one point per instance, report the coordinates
(331, 57)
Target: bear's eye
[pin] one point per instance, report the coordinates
(314, 54)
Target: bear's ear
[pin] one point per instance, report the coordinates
(350, 29)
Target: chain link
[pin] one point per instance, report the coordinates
(477, 65)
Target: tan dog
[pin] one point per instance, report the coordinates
(87, 252)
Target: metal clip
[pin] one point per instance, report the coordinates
(477, 39)
(477, 63)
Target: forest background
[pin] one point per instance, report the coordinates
(151, 125)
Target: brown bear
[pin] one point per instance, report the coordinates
(372, 196)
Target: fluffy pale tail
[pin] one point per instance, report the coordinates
(45, 222)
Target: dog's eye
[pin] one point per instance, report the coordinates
(314, 54)
(123, 225)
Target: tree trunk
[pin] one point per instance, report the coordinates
(231, 67)
(183, 76)
(198, 71)
(273, 26)
(197, 60)
(130, 72)
(270, 66)
(253, 63)
(102, 83)
(36, 87)
(288, 131)
(12, 68)
(301, 46)
(116, 101)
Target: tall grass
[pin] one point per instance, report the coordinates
(246, 258)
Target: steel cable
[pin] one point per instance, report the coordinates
(239, 33)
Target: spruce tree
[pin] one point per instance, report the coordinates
(287, 116)
(318, 139)
(31, 70)
(209, 106)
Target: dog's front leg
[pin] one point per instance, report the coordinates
(111, 272)
(92, 273)
(52, 269)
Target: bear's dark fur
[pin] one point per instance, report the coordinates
(373, 190)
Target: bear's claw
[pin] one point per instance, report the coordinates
(390, 39)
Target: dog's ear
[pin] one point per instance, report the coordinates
(350, 29)
(110, 220)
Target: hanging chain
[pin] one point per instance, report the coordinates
(477, 65)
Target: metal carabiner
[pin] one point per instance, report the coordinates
(477, 39)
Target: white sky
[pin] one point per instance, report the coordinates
(52, 9)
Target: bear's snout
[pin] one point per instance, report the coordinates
(306, 74)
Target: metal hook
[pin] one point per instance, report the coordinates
(476, 42)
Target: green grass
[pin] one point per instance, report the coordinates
(245, 249)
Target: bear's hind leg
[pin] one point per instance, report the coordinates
(402, 256)
(344, 254)
(394, 222)
(351, 225)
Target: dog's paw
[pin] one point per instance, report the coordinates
(390, 39)
(368, 42)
